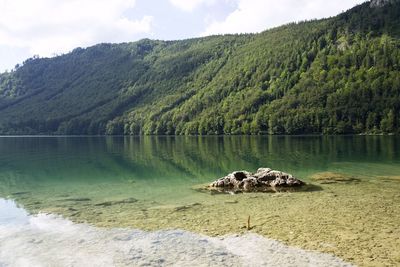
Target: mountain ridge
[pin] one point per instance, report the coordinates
(299, 78)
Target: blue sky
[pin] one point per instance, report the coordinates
(50, 27)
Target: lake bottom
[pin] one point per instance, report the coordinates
(49, 240)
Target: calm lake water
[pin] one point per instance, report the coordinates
(142, 182)
(166, 168)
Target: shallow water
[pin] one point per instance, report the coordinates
(48, 240)
(150, 183)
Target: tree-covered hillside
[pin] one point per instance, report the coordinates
(332, 76)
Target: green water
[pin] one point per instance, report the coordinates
(154, 162)
(152, 183)
(164, 169)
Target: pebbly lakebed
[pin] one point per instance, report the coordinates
(137, 201)
(48, 240)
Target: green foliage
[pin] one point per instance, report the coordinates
(334, 76)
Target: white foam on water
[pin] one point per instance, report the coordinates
(48, 240)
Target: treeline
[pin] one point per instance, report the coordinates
(334, 76)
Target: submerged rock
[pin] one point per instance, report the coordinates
(19, 193)
(78, 199)
(333, 177)
(389, 178)
(264, 178)
(186, 207)
(117, 202)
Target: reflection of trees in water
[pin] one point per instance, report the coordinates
(213, 156)
(37, 161)
(28, 162)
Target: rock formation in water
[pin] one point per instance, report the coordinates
(263, 179)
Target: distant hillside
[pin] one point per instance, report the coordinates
(333, 76)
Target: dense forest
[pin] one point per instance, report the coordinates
(339, 75)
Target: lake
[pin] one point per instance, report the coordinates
(155, 183)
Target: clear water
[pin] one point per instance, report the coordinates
(48, 240)
(166, 168)
(150, 183)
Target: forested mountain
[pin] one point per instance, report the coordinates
(333, 76)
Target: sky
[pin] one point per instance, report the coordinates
(51, 27)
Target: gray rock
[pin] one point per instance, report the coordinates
(380, 3)
(262, 179)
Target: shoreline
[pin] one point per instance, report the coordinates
(47, 239)
(357, 226)
(203, 135)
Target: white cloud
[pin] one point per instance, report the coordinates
(45, 27)
(259, 15)
(190, 5)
